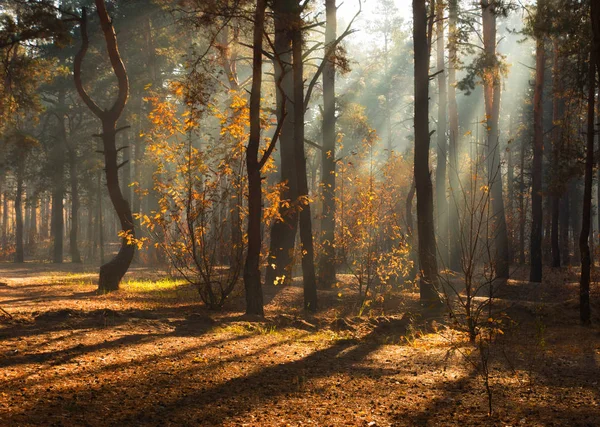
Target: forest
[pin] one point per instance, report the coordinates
(300, 212)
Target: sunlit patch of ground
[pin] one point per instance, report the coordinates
(151, 354)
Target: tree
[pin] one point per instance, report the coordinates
(327, 267)
(454, 216)
(538, 152)
(586, 259)
(442, 150)
(305, 219)
(252, 280)
(492, 91)
(425, 225)
(113, 271)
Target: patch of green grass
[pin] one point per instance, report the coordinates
(164, 288)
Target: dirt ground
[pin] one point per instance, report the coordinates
(151, 354)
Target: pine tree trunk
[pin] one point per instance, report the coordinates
(305, 219)
(586, 260)
(19, 252)
(535, 274)
(283, 232)
(428, 285)
(492, 92)
(252, 282)
(75, 255)
(440, 171)
(327, 266)
(453, 172)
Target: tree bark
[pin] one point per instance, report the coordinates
(535, 273)
(586, 260)
(453, 172)
(492, 92)
(113, 271)
(74, 249)
(283, 231)
(440, 171)
(252, 282)
(306, 239)
(19, 251)
(428, 284)
(327, 267)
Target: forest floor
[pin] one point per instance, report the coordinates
(151, 354)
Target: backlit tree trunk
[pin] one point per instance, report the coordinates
(327, 267)
(425, 224)
(252, 282)
(305, 219)
(440, 171)
(492, 92)
(454, 219)
(535, 274)
(283, 232)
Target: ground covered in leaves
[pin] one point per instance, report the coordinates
(151, 354)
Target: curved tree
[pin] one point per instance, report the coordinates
(113, 271)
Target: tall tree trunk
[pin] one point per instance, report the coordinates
(33, 230)
(254, 296)
(57, 224)
(453, 172)
(440, 172)
(306, 239)
(535, 274)
(586, 260)
(327, 267)
(112, 272)
(564, 229)
(19, 252)
(576, 202)
(425, 225)
(558, 189)
(283, 231)
(492, 92)
(75, 255)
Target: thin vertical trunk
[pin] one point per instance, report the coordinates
(440, 172)
(586, 260)
(57, 224)
(74, 249)
(492, 92)
(564, 229)
(305, 220)
(327, 267)
(522, 213)
(33, 229)
(252, 282)
(510, 186)
(557, 187)
(19, 253)
(535, 274)
(454, 218)
(576, 199)
(425, 224)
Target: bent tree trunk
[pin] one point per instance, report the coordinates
(113, 271)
